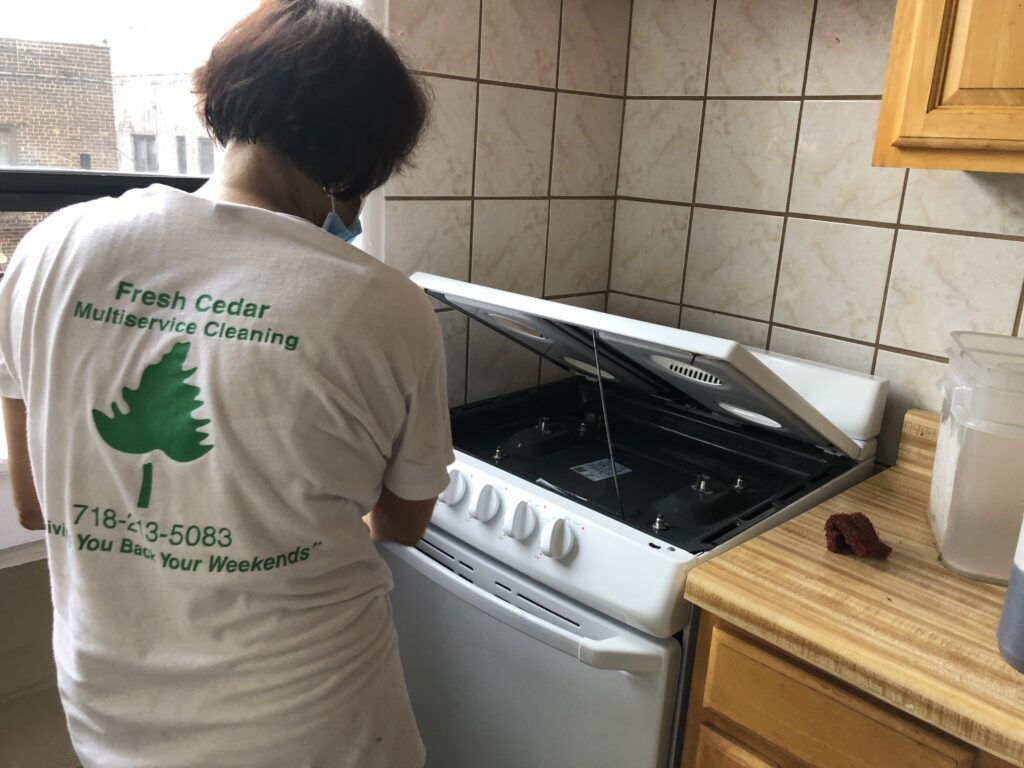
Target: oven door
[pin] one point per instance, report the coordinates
(504, 673)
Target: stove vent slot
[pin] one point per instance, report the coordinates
(687, 371)
(756, 511)
(433, 551)
(713, 538)
(544, 608)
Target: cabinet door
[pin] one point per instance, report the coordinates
(812, 719)
(716, 750)
(954, 94)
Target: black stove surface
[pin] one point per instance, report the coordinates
(686, 478)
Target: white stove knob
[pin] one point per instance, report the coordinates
(556, 539)
(488, 504)
(456, 489)
(520, 521)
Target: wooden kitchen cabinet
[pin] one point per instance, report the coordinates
(954, 92)
(752, 706)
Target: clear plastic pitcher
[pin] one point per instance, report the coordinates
(977, 494)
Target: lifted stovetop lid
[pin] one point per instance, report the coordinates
(716, 375)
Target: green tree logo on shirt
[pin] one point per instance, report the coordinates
(159, 416)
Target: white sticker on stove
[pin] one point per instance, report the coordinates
(600, 470)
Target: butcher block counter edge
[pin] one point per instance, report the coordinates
(907, 631)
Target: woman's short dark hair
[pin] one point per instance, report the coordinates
(318, 83)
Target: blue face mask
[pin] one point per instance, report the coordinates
(336, 227)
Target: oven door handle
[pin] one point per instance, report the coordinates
(624, 653)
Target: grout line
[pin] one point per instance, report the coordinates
(472, 180)
(963, 232)
(792, 177)
(910, 353)
(758, 320)
(1020, 311)
(527, 86)
(560, 296)
(824, 335)
(641, 296)
(888, 273)
(412, 198)
(600, 95)
(731, 208)
(618, 159)
(551, 154)
(696, 165)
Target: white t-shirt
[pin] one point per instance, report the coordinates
(216, 394)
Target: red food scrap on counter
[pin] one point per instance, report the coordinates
(854, 533)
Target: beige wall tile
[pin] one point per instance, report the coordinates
(850, 48)
(429, 236)
(833, 277)
(944, 283)
(513, 141)
(648, 310)
(732, 262)
(508, 244)
(443, 162)
(668, 49)
(759, 48)
(833, 175)
(821, 349)
(749, 332)
(437, 35)
(979, 202)
(498, 365)
(747, 153)
(453, 325)
(519, 41)
(594, 40)
(913, 383)
(579, 246)
(594, 301)
(586, 156)
(649, 250)
(659, 149)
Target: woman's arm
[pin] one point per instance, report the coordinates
(23, 489)
(400, 520)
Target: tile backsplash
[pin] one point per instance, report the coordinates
(701, 163)
(514, 185)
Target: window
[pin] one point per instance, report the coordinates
(144, 153)
(85, 161)
(8, 152)
(205, 156)
(182, 154)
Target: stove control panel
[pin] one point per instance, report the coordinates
(574, 549)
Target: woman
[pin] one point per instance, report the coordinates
(211, 391)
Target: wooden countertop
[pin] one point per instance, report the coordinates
(907, 630)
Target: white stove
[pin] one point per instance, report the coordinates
(541, 620)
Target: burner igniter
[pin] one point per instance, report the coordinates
(740, 483)
(544, 424)
(498, 455)
(702, 484)
(660, 524)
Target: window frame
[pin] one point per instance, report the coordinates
(47, 190)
